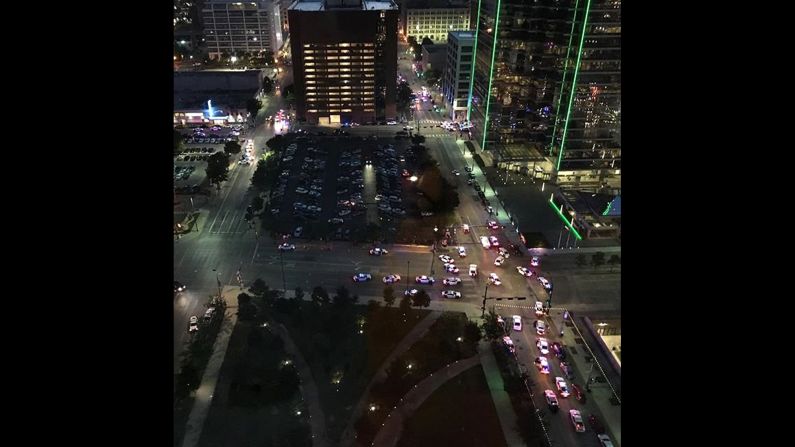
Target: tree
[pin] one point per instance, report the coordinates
(389, 296)
(472, 332)
(232, 147)
(253, 105)
(288, 93)
(276, 143)
(257, 203)
(418, 139)
(581, 260)
(405, 305)
(245, 308)
(319, 295)
(218, 168)
(491, 328)
(259, 288)
(343, 297)
(432, 76)
(178, 141)
(614, 259)
(597, 259)
(422, 298)
(267, 85)
(426, 41)
(299, 293)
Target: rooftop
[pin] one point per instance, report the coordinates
(329, 5)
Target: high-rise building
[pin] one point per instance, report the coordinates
(344, 55)
(434, 19)
(547, 86)
(250, 27)
(587, 129)
(458, 72)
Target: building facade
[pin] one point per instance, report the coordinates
(344, 55)
(456, 80)
(247, 27)
(547, 85)
(435, 23)
(434, 57)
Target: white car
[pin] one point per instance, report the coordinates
(563, 389)
(524, 271)
(544, 282)
(465, 227)
(446, 259)
(412, 292)
(499, 261)
(462, 252)
(508, 343)
(494, 279)
(378, 251)
(194, 324)
(286, 247)
(552, 400)
(494, 241)
(493, 225)
(452, 281)
(604, 440)
(473, 270)
(576, 420)
(543, 345)
(504, 252)
(540, 326)
(391, 123)
(484, 241)
(534, 261)
(542, 364)
(301, 190)
(539, 308)
(424, 279)
(390, 279)
(451, 294)
(517, 323)
(451, 268)
(455, 172)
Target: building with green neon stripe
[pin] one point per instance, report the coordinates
(553, 71)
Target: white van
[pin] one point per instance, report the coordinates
(485, 242)
(473, 270)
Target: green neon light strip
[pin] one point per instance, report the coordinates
(474, 62)
(563, 218)
(573, 85)
(565, 72)
(491, 76)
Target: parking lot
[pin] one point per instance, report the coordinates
(332, 187)
(199, 145)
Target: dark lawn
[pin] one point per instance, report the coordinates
(257, 395)
(342, 360)
(460, 413)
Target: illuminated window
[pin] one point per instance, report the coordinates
(309, 51)
(343, 57)
(310, 76)
(332, 58)
(311, 82)
(309, 70)
(312, 110)
(310, 64)
(309, 58)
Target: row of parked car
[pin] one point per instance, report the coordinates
(388, 184)
(183, 172)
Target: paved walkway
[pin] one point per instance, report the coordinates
(502, 402)
(204, 394)
(317, 419)
(416, 333)
(390, 432)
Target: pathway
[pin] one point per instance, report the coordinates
(502, 402)
(416, 333)
(390, 432)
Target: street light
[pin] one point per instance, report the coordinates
(218, 280)
(413, 178)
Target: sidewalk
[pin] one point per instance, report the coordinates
(502, 402)
(390, 432)
(416, 333)
(204, 394)
(598, 400)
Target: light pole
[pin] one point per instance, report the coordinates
(281, 261)
(218, 280)
(483, 308)
(408, 264)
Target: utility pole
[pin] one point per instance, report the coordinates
(408, 264)
(218, 280)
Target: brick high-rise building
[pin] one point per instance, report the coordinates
(344, 56)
